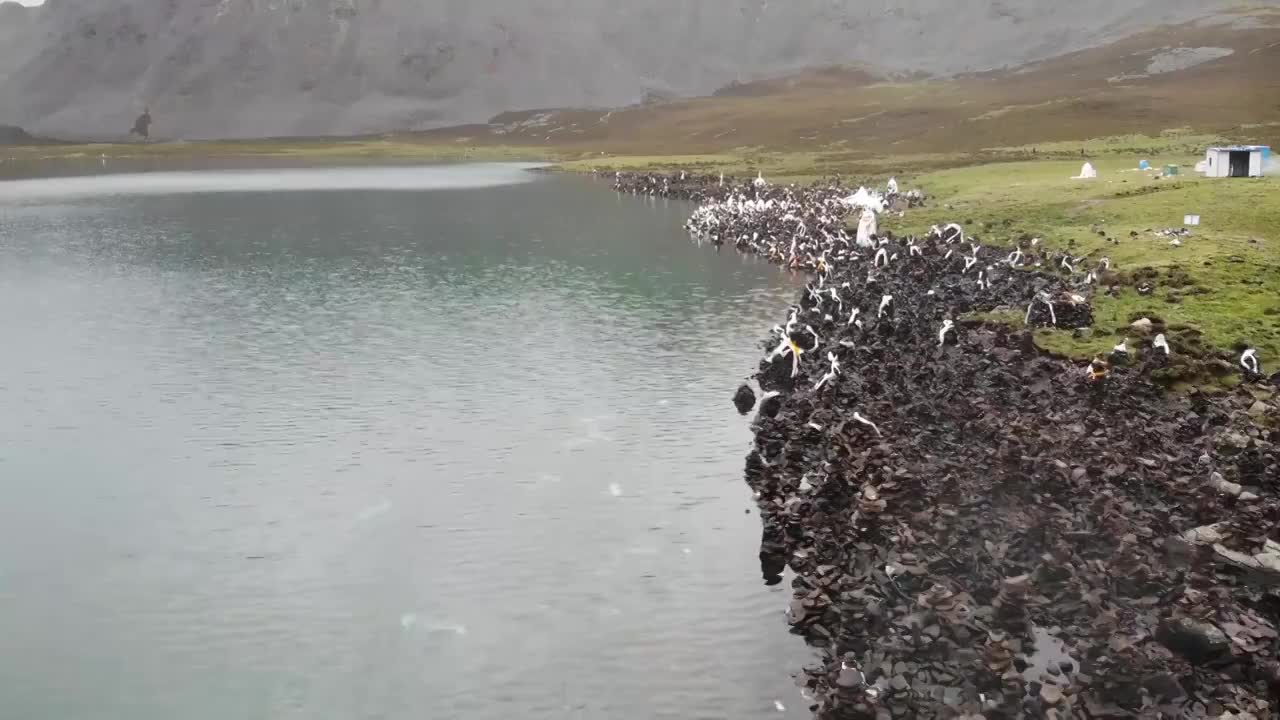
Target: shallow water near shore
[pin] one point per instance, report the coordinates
(365, 449)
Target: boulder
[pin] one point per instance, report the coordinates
(1197, 641)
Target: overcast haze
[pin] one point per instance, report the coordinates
(282, 67)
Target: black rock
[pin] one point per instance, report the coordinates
(1165, 687)
(744, 399)
(1197, 641)
(850, 678)
(770, 406)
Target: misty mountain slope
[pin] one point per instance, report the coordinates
(278, 67)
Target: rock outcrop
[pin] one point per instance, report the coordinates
(976, 528)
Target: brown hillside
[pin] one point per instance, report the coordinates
(1217, 78)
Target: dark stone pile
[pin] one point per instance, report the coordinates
(681, 185)
(909, 199)
(947, 496)
(800, 227)
(704, 187)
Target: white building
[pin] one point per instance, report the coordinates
(1233, 161)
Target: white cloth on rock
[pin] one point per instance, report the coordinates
(867, 229)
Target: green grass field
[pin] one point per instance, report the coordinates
(1220, 288)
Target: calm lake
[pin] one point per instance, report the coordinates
(445, 442)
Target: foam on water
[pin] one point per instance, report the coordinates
(373, 511)
(411, 621)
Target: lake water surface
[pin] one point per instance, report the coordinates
(448, 442)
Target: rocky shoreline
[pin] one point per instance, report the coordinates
(977, 529)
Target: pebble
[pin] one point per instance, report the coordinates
(1051, 694)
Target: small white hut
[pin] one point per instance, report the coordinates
(1233, 161)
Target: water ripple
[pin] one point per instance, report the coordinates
(378, 454)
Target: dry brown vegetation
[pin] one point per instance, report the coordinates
(847, 120)
(846, 114)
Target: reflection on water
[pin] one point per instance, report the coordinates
(263, 181)
(465, 453)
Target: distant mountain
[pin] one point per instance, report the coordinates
(232, 68)
(14, 135)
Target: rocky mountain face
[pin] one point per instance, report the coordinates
(238, 68)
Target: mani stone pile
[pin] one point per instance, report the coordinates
(979, 530)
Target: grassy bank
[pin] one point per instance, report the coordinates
(398, 148)
(1220, 288)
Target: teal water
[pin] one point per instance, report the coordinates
(403, 443)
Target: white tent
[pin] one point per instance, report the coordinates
(1086, 173)
(864, 198)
